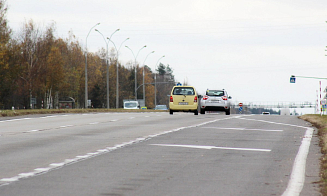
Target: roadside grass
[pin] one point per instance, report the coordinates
(9, 113)
(320, 122)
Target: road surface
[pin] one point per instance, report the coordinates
(158, 154)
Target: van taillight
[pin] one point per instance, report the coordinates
(195, 99)
(171, 99)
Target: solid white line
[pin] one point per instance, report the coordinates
(212, 147)
(242, 129)
(297, 178)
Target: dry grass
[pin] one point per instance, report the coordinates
(7, 113)
(320, 122)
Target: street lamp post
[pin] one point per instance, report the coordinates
(117, 78)
(107, 59)
(86, 93)
(135, 68)
(143, 76)
(155, 82)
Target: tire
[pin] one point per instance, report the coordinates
(171, 112)
(196, 112)
(227, 111)
(202, 111)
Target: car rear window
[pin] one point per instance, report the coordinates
(184, 91)
(218, 93)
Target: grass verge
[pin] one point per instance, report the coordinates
(320, 122)
(8, 113)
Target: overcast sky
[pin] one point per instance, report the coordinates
(250, 48)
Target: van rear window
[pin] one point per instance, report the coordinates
(184, 91)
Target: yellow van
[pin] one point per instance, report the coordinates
(183, 99)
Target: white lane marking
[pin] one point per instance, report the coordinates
(93, 123)
(295, 185)
(57, 164)
(65, 126)
(13, 120)
(41, 170)
(270, 122)
(242, 129)
(114, 120)
(49, 117)
(212, 147)
(131, 117)
(31, 131)
(25, 175)
(9, 179)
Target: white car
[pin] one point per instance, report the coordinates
(131, 105)
(215, 100)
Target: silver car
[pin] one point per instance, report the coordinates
(215, 100)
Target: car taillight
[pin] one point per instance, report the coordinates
(205, 97)
(224, 98)
(171, 99)
(195, 99)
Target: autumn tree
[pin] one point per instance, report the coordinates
(165, 82)
(6, 67)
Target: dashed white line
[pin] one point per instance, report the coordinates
(65, 126)
(31, 131)
(93, 123)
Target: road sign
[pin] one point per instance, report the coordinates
(240, 109)
(33, 101)
(292, 79)
(240, 104)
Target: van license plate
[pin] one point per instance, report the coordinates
(183, 103)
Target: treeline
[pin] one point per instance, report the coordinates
(38, 70)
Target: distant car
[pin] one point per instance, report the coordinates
(161, 107)
(215, 100)
(265, 113)
(183, 99)
(131, 105)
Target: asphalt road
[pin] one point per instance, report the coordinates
(158, 154)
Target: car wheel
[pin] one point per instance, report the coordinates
(227, 111)
(171, 112)
(196, 112)
(202, 111)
